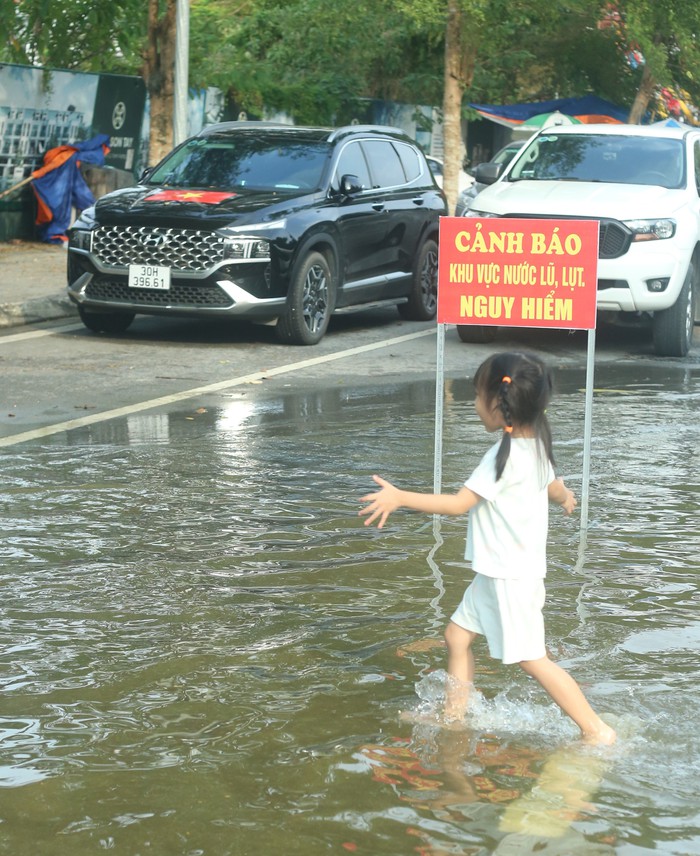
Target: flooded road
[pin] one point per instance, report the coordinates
(204, 652)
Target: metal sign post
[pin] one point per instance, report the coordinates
(439, 408)
(587, 431)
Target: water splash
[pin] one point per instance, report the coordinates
(512, 711)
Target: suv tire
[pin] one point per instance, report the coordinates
(310, 302)
(422, 301)
(672, 328)
(105, 322)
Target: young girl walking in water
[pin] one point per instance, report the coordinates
(507, 499)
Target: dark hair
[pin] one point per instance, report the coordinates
(520, 385)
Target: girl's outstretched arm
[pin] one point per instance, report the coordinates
(386, 500)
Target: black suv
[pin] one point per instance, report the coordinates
(262, 222)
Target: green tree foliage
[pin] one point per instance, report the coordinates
(318, 59)
(85, 35)
(543, 51)
(315, 59)
(496, 50)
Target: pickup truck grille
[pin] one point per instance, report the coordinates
(614, 240)
(179, 249)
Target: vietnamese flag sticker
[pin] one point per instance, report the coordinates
(208, 197)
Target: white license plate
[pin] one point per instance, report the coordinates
(149, 276)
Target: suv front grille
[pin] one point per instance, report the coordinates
(614, 241)
(179, 294)
(180, 249)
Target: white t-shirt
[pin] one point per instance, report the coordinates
(507, 530)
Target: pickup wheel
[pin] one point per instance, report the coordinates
(476, 334)
(105, 322)
(310, 302)
(672, 328)
(422, 301)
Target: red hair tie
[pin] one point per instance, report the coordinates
(506, 379)
(508, 429)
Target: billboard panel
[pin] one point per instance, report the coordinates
(518, 272)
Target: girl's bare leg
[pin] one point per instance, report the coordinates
(567, 694)
(460, 667)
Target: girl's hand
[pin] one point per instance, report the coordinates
(569, 502)
(382, 503)
(560, 493)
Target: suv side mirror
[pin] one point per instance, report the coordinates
(487, 173)
(350, 184)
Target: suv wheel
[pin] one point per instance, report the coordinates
(422, 301)
(672, 328)
(475, 334)
(105, 322)
(310, 302)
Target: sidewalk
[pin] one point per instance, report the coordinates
(33, 283)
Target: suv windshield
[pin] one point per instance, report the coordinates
(258, 162)
(615, 159)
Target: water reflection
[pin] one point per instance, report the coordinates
(205, 652)
(520, 800)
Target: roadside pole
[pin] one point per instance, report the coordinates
(181, 77)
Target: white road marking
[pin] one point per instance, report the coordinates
(164, 400)
(38, 334)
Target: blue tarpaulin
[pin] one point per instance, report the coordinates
(588, 109)
(59, 185)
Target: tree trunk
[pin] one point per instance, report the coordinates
(459, 67)
(159, 73)
(643, 97)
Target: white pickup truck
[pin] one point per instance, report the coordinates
(642, 183)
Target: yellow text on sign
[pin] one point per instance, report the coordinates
(519, 274)
(513, 243)
(494, 307)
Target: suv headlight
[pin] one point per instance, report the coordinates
(651, 230)
(81, 239)
(246, 248)
(80, 233)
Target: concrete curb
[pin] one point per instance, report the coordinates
(37, 309)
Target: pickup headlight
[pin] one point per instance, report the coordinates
(651, 230)
(472, 212)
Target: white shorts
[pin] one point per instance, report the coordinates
(508, 613)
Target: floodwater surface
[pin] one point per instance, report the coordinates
(205, 652)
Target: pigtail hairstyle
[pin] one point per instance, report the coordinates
(520, 386)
